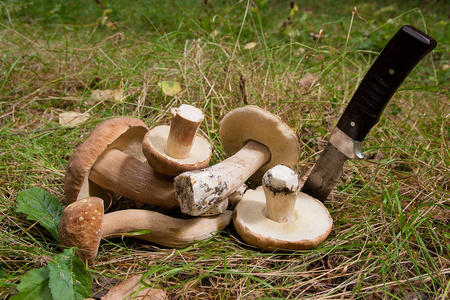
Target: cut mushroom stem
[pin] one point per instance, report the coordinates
(177, 148)
(83, 223)
(281, 186)
(183, 130)
(201, 189)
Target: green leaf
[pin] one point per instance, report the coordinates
(69, 279)
(34, 285)
(39, 205)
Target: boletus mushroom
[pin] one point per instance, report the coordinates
(257, 141)
(277, 216)
(111, 160)
(177, 148)
(83, 224)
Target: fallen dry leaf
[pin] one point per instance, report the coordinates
(306, 81)
(128, 288)
(72, 118)
(250, 45)
(116, 95)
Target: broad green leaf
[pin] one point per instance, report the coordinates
(69, 279)
(39, 205)
(34, 285)
(170, 88)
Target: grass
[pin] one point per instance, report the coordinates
(390, 210)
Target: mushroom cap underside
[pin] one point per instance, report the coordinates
(312, 225)
(154, 146)
(81, 226)
(253, 123)
(122, 133)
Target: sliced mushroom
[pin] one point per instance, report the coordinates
(277, 216)
(177, 148)
(83, 223)
(111, 159)
(257, 141)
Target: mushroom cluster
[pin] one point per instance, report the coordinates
(123, 158)
(168, 166)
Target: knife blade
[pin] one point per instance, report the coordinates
(398, 58)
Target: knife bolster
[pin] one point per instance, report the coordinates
(345, 144)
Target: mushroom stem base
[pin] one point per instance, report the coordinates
(197, 191)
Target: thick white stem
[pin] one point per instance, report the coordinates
(183, 130)
(197, 191)
(133, 179)
(281, 186)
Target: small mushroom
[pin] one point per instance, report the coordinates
(257, 141)
(177, 148)
(277, 216)
(83, 224)
(111, 159)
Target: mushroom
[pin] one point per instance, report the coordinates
(111, 159)
(177, 148)
(277, 216)
(257, 141)
(83, 224)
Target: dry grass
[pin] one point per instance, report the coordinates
(391, 210)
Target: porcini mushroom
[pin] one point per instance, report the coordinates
(83, 224)
(257, 140)
(177, 148)
(111, 159)
(277, 216)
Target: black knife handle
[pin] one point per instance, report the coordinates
(402, 53)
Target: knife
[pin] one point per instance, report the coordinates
(401, 54)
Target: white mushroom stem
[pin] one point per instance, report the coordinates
(133, 179)
(197, 191)
(164, 230)
(183, 130)
(281, 186)
(237, 195)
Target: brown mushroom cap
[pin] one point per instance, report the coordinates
(312, 225)
(154, 146)
(122, 133)
(253, 123)
(81, 227)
